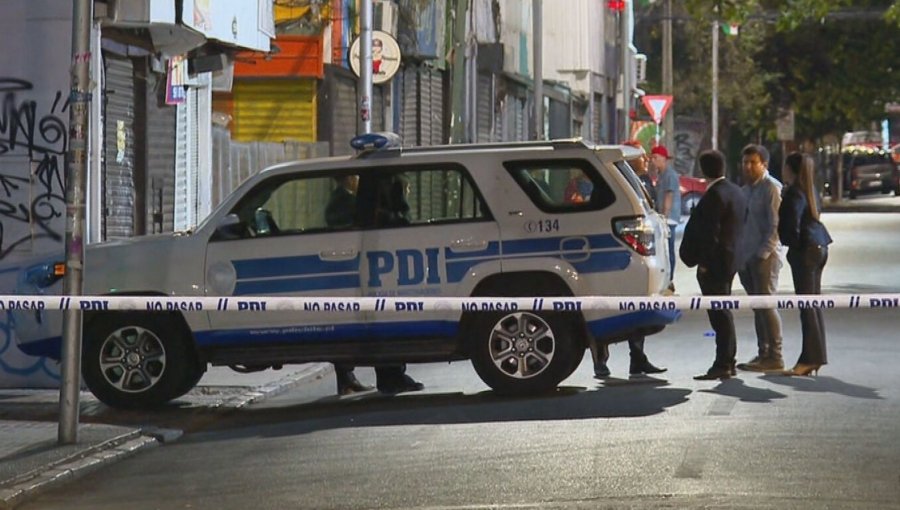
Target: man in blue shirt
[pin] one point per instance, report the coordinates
(761, 253)
(668, 197)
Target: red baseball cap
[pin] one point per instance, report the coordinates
(661, 150)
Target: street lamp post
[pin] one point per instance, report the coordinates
(76, 180)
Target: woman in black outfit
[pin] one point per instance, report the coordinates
(807, 240)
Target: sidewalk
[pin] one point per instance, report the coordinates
(865, 204)
(31, 461)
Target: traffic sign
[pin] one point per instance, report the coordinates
(657, 106)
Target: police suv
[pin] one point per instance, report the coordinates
(559, 218)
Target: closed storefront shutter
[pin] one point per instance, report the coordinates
(433, 107)
(185, 150)
(484, 115)
(118, 151)
(408, 128)
(422, 106)
(597, 119)
(344, 115)
(560, 120)
(275, 110)
(160, 163)
(343, 107)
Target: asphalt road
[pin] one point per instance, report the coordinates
(758, 441)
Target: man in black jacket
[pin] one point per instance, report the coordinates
(711, 239)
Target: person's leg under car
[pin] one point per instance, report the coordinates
(392, 379)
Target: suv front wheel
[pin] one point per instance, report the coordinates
(522, 353)
(132, 360)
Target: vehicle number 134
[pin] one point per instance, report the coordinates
(536, 226)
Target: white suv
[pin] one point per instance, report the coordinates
(558, 218)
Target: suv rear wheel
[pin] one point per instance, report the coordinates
(132, 360)
(523, 352)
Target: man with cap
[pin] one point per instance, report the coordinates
(668, 197)
(639, 363)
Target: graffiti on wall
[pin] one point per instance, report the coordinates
(33, 143)
(32, 154)
(687, 140)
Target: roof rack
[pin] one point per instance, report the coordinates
(392, 151)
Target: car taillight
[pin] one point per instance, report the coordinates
(637, 233)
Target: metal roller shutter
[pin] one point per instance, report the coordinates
(275, 110)
(484, 115)
(408, 129)
(433, 122)
(160, 164)
(118, 150)
(344, 113)
(597, 118)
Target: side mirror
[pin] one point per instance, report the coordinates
(230, 227)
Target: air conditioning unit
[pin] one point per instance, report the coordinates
(640, 68)
(385, 16)
(129, 11)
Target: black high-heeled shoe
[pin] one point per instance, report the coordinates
(803, 369)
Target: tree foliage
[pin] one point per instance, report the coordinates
(835, 62)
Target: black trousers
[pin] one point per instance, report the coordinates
(721, 321)
(385, 375)
(806, 270)
(635, 348)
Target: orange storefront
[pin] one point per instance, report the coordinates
(274, 96)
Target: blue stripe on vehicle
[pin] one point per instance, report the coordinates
(292, 266)
(326, 332)
(620, 324)
(554, 244)
(304, 284)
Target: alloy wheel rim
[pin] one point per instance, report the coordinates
(132, 359)
(522, 345)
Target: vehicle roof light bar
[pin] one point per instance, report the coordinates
(375, 141)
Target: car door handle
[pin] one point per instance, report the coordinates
(346, 254)
(468, 244)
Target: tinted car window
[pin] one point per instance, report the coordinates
(560, 186)
(297, 204)
(425, 196)
(635, 183)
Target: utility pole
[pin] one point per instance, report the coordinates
(714, 128)
(364, 91)
(669, 120)
(457, 82)
(625, 43)
(537, 29)
(76, 180)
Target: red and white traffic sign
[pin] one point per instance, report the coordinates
(657, 106)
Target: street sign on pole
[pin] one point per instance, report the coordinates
(657, 106)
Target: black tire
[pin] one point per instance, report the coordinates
(137, 360)
(545, 345)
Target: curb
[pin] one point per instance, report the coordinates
(38, 481)
(260, 393)
(859, 208)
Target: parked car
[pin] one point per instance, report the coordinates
(866, 169)
(692, 189)
(455, 221)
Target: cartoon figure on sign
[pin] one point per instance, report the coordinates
(377, 55)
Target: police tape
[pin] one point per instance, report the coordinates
(443, 304)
